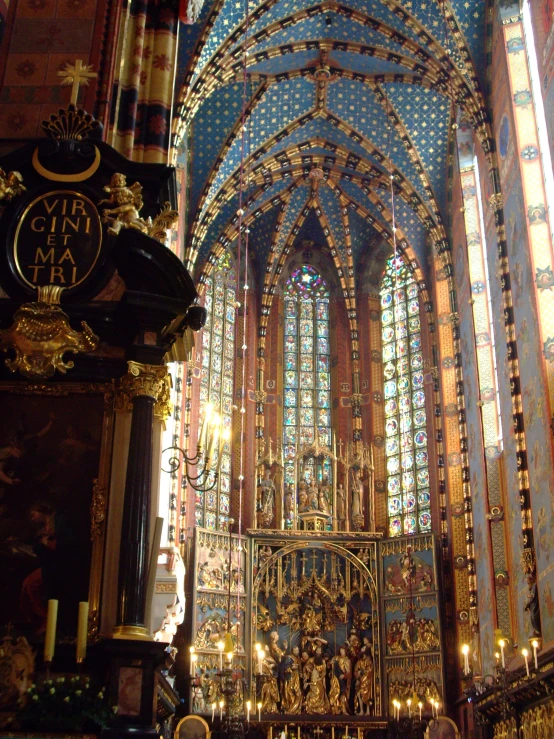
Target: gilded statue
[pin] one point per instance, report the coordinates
(303, 503)
(270, 689)
(313, 495)
(126, 202)
(323, 496)
(288, 502)
(291, 692)
(266, 500)
(11, 185)
(317, 700)
(357, 509)
(363, 687)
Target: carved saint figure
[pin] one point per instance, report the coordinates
(291, 693)
(270, 689)
(357, 496)
(266, 499)
(303, 503)
(363, 672)
(288, 502)
(532, 605)
(317, 700)
(312, 495)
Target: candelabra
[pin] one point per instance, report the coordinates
(204, 478)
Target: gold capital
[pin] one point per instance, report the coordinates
(148, 380)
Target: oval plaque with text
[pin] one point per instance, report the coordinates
(58, 239)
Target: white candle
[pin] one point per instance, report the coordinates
(248, 707)
(193, 665)
(465, 652)
(535, 646)
(221, 704)
(220, 646)
(420, 704)
(409, 702)
(502, 644)
(50, 638)
(213, 711)
(259, 711)
(525, 653)
(191, 670)
(82, 631)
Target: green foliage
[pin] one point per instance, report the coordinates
(65, 704)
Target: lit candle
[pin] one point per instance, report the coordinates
(221, 704)
(191, 672)
(220, 646)
(82, 631)
(259, 711)
(465, 652)
(50, 638)
(213, 711)
(502, 644)
(525, 653)
(497, 657)
(409, 702)
(193, 664)
(534, 644)
(248, 707)
(420, 704)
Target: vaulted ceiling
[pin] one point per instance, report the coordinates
(340, 99)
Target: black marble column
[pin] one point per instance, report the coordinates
(133, 558)
(140, 389)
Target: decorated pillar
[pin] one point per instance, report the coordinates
(144, 384)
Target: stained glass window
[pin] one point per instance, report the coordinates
(407, 459)
(307, 369)
(216, 384)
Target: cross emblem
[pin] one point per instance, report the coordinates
(76, 74)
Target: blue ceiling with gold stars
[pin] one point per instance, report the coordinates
(334, 118)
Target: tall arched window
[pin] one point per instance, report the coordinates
(216, 384)
(407, 458)
(307, 368)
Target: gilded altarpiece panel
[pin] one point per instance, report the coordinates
(315, 613)
(411, 621)
(219, 601)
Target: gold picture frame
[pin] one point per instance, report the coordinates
(55, 446)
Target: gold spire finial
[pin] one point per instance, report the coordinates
(76, 74)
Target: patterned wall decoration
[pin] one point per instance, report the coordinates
(44, 35)
(470, 288)
(530, 243)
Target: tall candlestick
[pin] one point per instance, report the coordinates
(535, 646)
(465, 652)
(525, 653)
(502, 644)
(50, 638)
(82, 631)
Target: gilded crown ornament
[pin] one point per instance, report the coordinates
(40, 336)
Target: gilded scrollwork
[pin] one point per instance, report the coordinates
(538, 723)
(97, 509)
(40, 336)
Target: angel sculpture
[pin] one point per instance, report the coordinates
(11, 185)
(126, 202)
